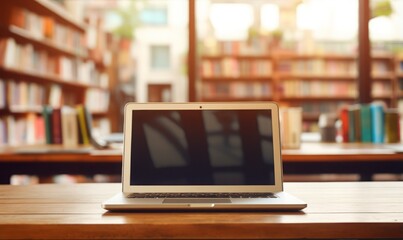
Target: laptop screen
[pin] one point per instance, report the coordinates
(202, 147)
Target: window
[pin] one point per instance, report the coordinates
(154, 16)
(386, 25)
(160, 57)
(329, 20)
(270, 16)
(231, 21)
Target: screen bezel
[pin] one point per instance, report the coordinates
(129, 107)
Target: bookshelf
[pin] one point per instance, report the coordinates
(399, 81)
(318, 83)
(45, 60)
(241, 77)
(399, 75)
(384, 79)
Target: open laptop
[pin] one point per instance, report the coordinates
(215, 156)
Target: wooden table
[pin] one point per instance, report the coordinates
(311, 158)
(370, 210)
(364, 159)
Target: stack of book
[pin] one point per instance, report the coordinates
(65, 125)
(370, 123)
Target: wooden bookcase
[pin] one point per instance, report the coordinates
(316, 82)
(399, 81)
(384, 81)
(242, 77)
(44, 61)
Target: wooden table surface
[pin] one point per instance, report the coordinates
(310, 151)
(335, 210)
(311, 158)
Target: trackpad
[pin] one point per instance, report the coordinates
(196, 200)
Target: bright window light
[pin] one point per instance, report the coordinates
(304, 17)
(381, 29)
(270, 16)
(231, 21)
(344, 19)
(336, 20)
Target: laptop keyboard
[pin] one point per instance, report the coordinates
(202, 195)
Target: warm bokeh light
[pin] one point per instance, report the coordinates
(231, 21)
(270, 16)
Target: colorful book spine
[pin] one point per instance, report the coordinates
(377, 123)
(83, 127)
(392, 126)
(344, 124)
(69, 126)
(47, 116)
(354, 122)
(366, 123)
(57, 136)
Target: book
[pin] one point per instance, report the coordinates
(30, 125)
(83, 125)
(57, 135)
(392, 131)
(344, 124)
(291, 126)
(366, 123)
(10, 53)
(69, 126)
(2, 94)
(17, 17)
(354, 123)
(39, 125)
(55, 96)
(48, 27)
(12, 139)
(47, 116)
(3, 131)
(377, 123)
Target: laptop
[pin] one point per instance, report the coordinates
(204, 156)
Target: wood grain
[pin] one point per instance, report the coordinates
(320, 152)
(335, 210)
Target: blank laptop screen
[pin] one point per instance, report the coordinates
(202, 147)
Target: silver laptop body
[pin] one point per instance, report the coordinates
(210, 156)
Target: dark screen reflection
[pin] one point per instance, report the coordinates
(202, 147)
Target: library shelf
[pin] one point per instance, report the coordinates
(48, 8)
(324, 57)
(44, 78)
(315, 98)
(383, 57)
(381, 97)
(307, 76)
(21, 110)
(246, 99)
(383, 77)
(24, 36)
(310, 116)
(237, 56)
(98, 114)
(44, 61)
(245, 79)
(296, 79)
